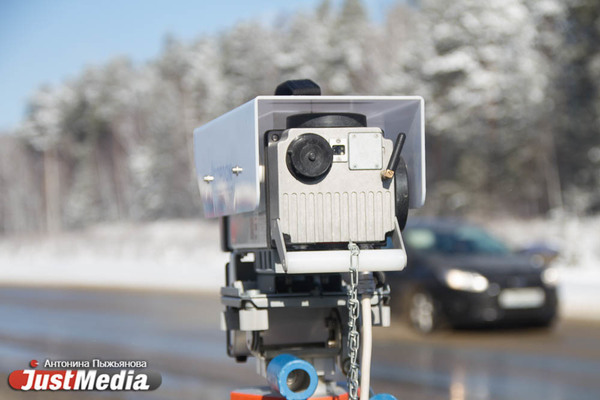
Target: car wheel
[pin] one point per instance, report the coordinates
(422, 312)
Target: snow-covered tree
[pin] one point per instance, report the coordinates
(248, 53)
(488, 84)
(511, 91)
(578, 142)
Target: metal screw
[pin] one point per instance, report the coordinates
(237, 170)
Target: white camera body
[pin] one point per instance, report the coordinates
(296, 216)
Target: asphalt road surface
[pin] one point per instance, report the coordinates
(179, 337)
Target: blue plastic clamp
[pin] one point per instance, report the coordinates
(279, 370)
(383, 396)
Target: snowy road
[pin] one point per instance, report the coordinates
(178, 335)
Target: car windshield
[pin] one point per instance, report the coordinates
(462, 240)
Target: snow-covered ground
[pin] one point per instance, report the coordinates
(578, 240)
(185, 255)
(169, 255)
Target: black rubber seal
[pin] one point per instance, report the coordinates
(401, 191)
(298, 87)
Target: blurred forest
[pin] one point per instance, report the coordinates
(512, 92)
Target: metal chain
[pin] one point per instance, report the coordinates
(353, 314)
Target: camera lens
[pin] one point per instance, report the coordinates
(309, 157)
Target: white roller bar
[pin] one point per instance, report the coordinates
(314, 262)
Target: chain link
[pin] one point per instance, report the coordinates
(353, 314)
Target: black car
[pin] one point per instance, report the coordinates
(459, 275)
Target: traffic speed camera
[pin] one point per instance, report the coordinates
(297, 177)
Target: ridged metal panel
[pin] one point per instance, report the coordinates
(310, 217)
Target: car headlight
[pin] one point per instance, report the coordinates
(464, 280)
(550, 276)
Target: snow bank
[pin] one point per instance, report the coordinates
(168, 255)
(186, 255)
(578, 240)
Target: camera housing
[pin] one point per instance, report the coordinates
(295, 178)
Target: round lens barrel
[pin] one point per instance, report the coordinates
(309, 157)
